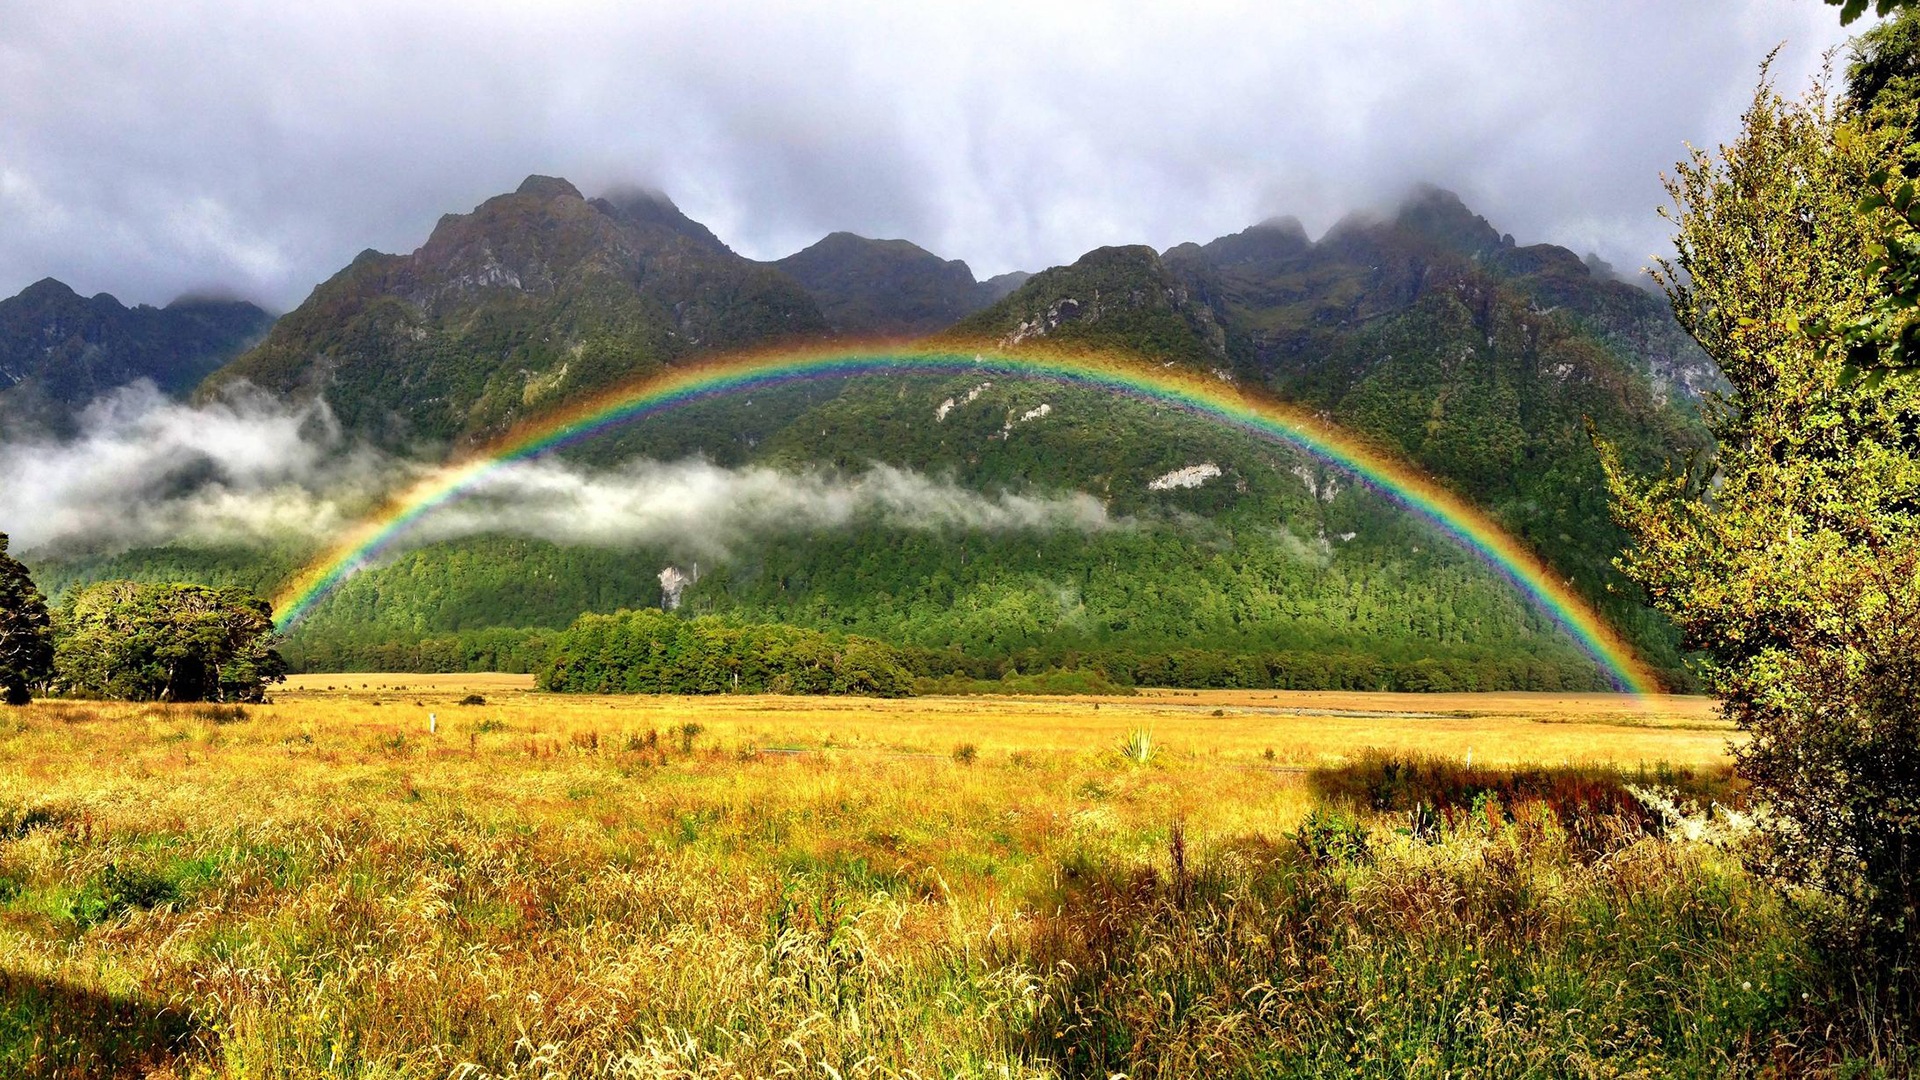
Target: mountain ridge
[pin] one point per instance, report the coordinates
(60, 350)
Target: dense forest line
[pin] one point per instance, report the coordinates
(652, 652)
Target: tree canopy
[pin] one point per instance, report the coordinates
(166, 642)
(26, 633)
(653, 652)
(1792, 560)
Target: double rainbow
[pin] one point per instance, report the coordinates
(1211, 399)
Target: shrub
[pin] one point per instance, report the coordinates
(117, 890)
(1596, 805)
(1329, 837)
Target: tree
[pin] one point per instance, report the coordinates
(26, 634)
(166, 642)
(1791, 562)
(1853, 9)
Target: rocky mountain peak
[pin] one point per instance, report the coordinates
(1441, 217)
(47, 289)
(548, 187)
(648, 207)
(867, 286)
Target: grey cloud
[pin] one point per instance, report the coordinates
(151, 149)
(248, 470)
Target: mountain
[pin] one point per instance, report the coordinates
(887, 288)
(1221, 560)
(1297, 300)
(1121, 297)
(1428, 332)
(533, 298)
(60, 350)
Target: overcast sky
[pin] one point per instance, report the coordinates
(150, 149)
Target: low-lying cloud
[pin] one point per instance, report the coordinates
(704, 509)
(145, 471)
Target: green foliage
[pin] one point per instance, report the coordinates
(652, 652)
(117, 890)
(1883, 78)
(26, 632)
(1886, 336)
(1330, 836)
(1883, 97)
(166, 642)
(1851, 10)
(1796, 568)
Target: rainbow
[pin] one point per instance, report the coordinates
(1212, 399)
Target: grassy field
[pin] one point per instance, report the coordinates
(537, 886)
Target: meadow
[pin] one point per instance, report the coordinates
(369, 878)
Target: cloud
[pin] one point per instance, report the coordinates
(249, 470)
(701, 509)
(154, 149)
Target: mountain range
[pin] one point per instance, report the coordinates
(59, 350)
(1425, 330)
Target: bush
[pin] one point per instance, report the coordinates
(118, 890)
(1328, 837)
(166, 642)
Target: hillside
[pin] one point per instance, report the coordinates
(1428, 331)
(60, 350)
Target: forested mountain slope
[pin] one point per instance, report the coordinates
(1220, 558)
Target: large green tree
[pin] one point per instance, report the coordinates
(1792, 560)
(26, 634)
(166, 642)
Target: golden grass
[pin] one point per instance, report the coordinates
(1303, 728)
(561, 885)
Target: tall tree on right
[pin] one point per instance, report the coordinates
(1791, 561)
(26, 633)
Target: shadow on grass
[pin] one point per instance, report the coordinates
(50, 1031)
